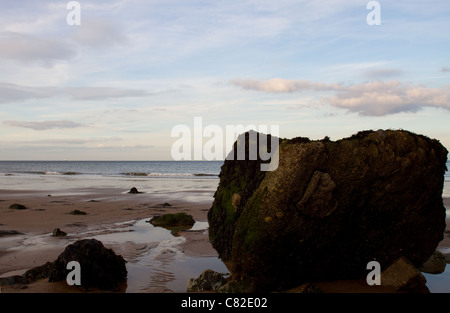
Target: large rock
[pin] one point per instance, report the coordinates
(100, 267)
(330, 208)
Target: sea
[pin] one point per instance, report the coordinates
(159, 169)
(187, 180)
(28, 172)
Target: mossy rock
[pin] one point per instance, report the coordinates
(174, 222)
(58, 233)
(17, 206)
(328, 209)
(38, 272)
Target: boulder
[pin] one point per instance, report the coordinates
(329, 208)
(77, 212)
(100, 267)
(209, 280)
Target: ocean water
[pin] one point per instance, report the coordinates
(160, 169)
(194, 181)
(41, 172)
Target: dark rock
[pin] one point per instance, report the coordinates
(174, 222)
(133, 190)
(38, 272)
(329, 208)
(404, 277)
(17, 206)
(209, 280)
(77, 212)
(13, 280)
(58, 233)
(100, 267)
(176, 219)
(9, 233)
(435, 264)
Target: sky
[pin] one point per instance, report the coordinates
(115, 86)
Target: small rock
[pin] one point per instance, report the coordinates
(58, 233)
(12, 280)
(171, 220)
(435, 264)
(404, 277)
(133, 190)
(447, 257)
(39, 272)
(209, 280)
(77, 212)
(9, 233)
(17, 206)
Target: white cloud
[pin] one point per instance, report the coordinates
(13, 92)
(373, 98)
(43, 125)
(283, 85)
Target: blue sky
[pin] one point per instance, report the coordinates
(113, 87)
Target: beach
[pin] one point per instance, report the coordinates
(119, 220)
(157, 261)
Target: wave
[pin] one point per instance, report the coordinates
(169, 174)
(201, 174)
(60, 173)
(46, 173)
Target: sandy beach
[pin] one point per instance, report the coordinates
(111, 214)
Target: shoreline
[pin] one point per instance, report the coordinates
(108, 211)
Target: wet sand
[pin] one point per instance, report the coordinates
(108, 211)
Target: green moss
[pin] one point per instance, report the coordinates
(176, 219)
(17, 206)
(174, 222)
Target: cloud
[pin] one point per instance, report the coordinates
(280, 85)
(445, 69)
(30, 49)
(43, 125)
(13, 92)
(382, 73)
(373, 98)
